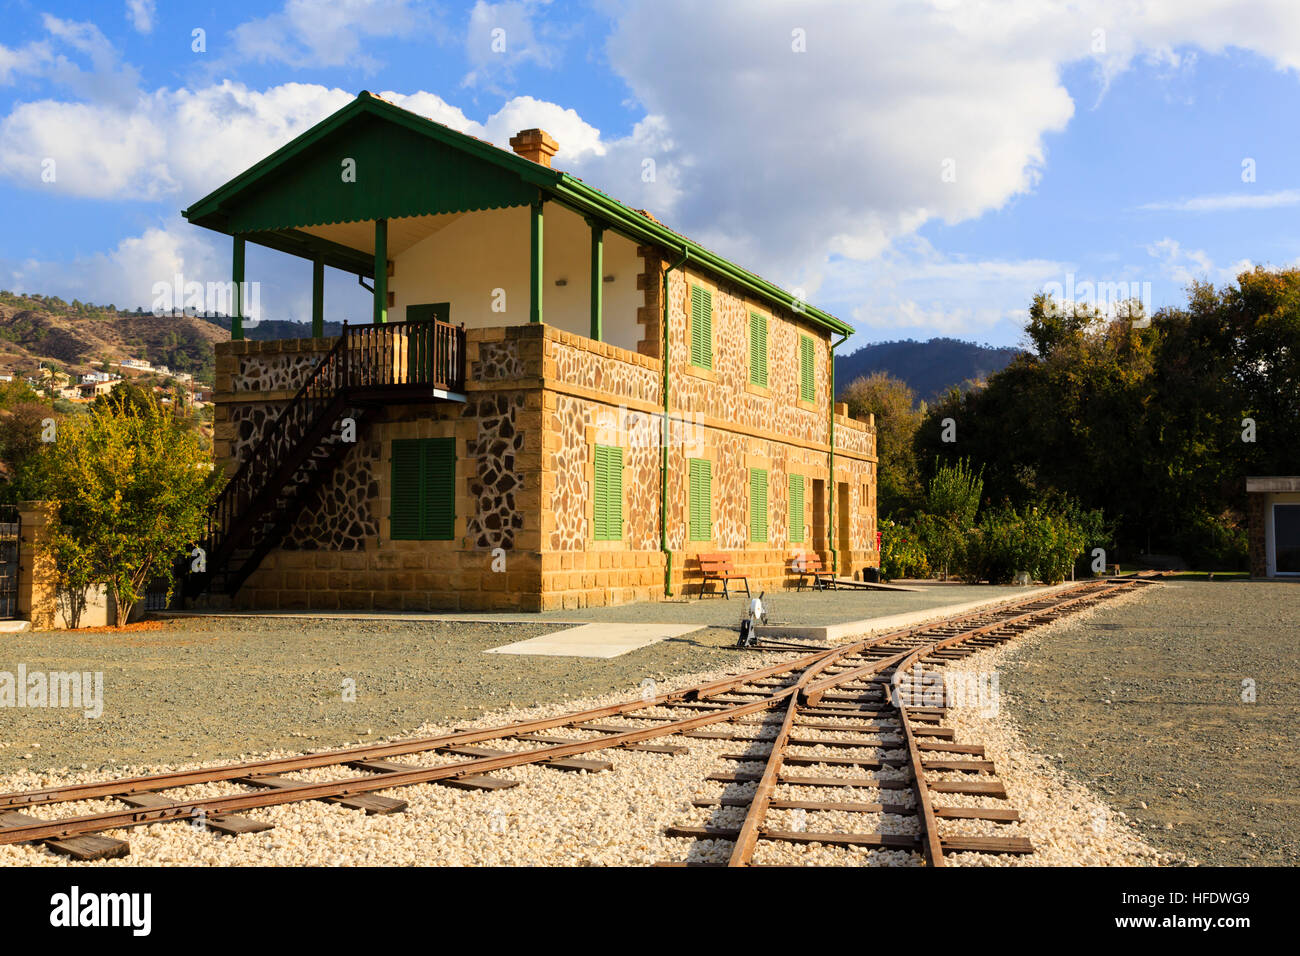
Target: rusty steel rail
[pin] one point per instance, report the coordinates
(907, 644)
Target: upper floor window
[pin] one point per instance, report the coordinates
(758, 349)
(701, 327)
(807, 384)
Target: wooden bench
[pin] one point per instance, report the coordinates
(718, 567)
(809, 565)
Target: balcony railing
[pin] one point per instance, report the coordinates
(403, 353)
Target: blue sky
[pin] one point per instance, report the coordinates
(917, 168)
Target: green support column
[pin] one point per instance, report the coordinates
(535, 265)
(317, 299)
(381, 271)
(597, 279)
(237, 279)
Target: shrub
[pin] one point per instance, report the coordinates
(901, 554)
(1043, 541)
(132, 488)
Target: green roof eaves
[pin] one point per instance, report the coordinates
(597, 202)
(207, 211)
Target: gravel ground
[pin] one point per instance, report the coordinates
(617, 817)
(210, 688)
(808, 607)
(203, 688)
(1142, 702)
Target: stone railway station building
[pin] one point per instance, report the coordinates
(559, 403)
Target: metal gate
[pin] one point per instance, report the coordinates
(10, 536)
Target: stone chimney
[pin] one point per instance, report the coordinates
(534, 144)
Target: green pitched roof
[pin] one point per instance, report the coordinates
(394, 150)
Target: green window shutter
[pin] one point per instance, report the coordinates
(598, 481)
(758, 349)
(758, 504)
(407, 492)
(439, 489)
(796, 509)
(701, 327)
(608, 494)
(615, 495)
(423, 499)
(807, 387)
(701, 499)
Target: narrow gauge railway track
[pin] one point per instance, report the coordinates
(870, 708)
(800, 687)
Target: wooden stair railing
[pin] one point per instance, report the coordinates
(368, 364)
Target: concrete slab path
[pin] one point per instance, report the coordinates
(596, 640)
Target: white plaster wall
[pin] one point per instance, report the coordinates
(466, 261)
(462, 264)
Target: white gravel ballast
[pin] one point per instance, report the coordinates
(614, 818)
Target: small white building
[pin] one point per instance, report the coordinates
(1273, 506)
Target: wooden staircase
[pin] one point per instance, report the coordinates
(370, 366)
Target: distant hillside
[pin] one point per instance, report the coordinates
(277, 329)
(929, 367)
(78, 336)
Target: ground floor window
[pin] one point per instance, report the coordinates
(701, 494)
(758, 504)
(424, 490)
(796, 509)
(608, 490)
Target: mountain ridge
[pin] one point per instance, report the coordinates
(930, 367)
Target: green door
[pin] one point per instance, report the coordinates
(421, 348)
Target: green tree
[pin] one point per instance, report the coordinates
(125, 394)
(894, 404)
(952, 501)
(132, 488)
(20, 432)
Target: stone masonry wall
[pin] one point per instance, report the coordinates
(599, 395)
(340, 554)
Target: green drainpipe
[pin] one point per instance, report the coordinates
(831, 488)
(663, 443)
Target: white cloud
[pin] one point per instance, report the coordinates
(326, 33)
(501, 36)
(125, 275)
(1185, 265)
(147, 150)
(106, 80)
(160, 145)
(913, 288)
(141, 14)
(27, 60)
(1228, 202)
(839, 150)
